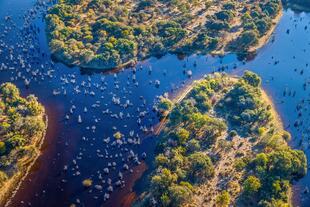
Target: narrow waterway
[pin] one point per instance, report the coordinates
(122, 101)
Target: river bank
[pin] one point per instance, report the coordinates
(23, 129)
(15, 182)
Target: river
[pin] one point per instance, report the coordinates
(122, 101)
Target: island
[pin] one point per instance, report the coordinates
(106, 34)
(223, 145)
(22, 128)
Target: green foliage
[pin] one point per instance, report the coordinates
(224, 15)
(188, 148)
(162, 181)
(223, 199)
(3, 177)
(243, 105)
(179, 194)
(201, 167)
(252, 78)
(164, 105)
(275, 170)
(182, 135)
(246, 40)
(2, 148)
(251, 185)
(105, 34)
(21, 123)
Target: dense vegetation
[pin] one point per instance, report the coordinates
(105, 34)
(223, 145)
(256, 23)
(21, 127)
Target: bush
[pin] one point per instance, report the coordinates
(87, 183)
(2, 148)
(251, 185)
(223, 199)
(201, 167)
(252, 78)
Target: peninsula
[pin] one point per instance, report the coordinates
(223, 144)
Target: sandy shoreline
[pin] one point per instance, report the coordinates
(13, 184)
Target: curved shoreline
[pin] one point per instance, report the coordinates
(179, 96)
(17, 180)
(67, 57)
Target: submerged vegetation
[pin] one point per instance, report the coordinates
(223, 145)
(104, 34)
(22, 128)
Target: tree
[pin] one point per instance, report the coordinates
(286, 136)
(164, 105)
(223, 199)
(251, 185)
(262, 25)
(200, 167)
(288, 164)
(179, 194)
(252, 78)
(182, 135)
(193, 145)
(3, 177)
(163, 180)
(162, 160)
(246, 40)
(2, 148)
(9, 91)
(33, 106)
(224, 15)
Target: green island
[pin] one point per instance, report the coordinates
(223, 145)
(22, 128)
(105, 34)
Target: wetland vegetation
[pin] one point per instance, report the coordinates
(105, 34)
(223, 145)
(22, 129)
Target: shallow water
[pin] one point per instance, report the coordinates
(83, 151)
